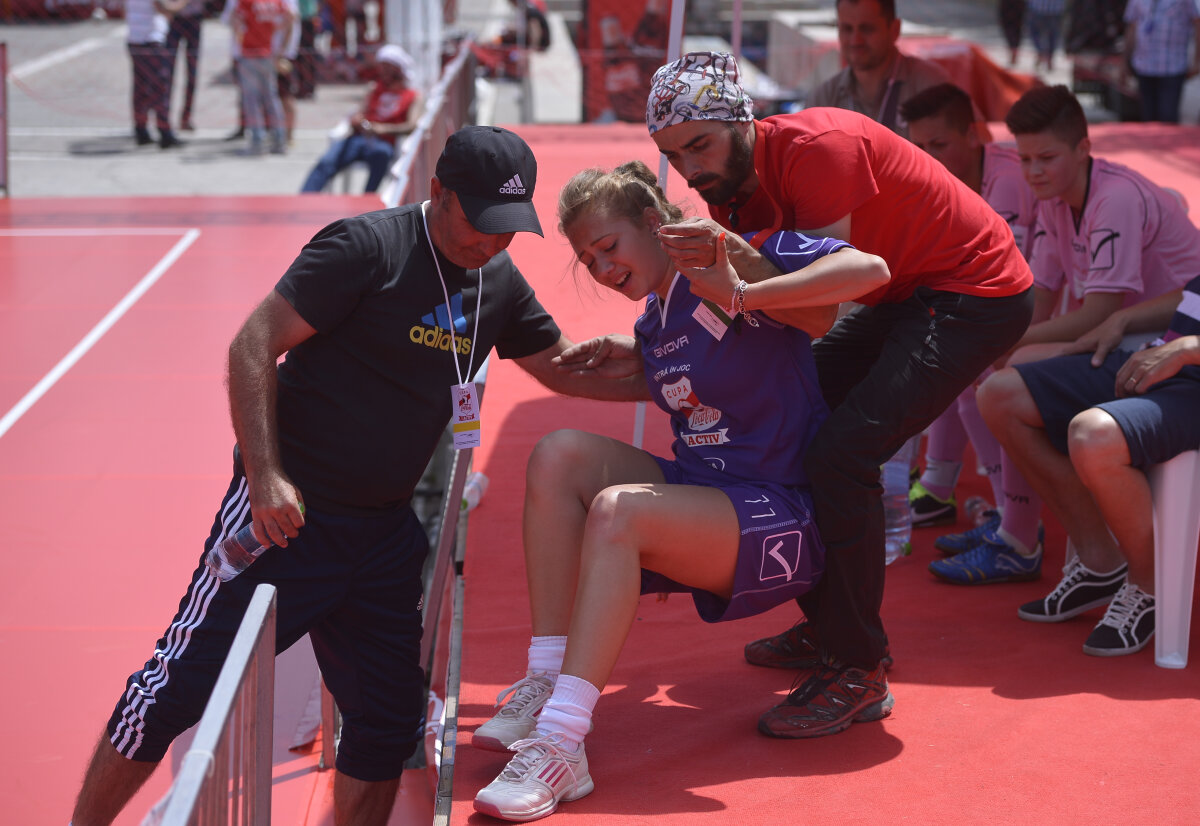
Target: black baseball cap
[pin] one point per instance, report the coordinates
(492, 171)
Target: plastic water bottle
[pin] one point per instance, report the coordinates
(234, 554)
(473, 490)
(977, 508)
(897, 517)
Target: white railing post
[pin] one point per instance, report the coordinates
(445, 111)
(226, 775)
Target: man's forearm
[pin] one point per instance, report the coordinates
(600, 388)
(252, 394)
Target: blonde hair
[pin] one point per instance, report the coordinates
(625, 192)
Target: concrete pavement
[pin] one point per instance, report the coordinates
(69, 131)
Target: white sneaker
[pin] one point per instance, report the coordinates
(533, 782)
(518, 717)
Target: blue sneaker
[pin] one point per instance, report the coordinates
(956, 543)
(993, 560)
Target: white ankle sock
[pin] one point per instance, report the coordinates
(940, 477)
(568, 712)
(546, 655)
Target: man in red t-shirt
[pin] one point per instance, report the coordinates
(255, 23)
(959, 296)
(390, 110)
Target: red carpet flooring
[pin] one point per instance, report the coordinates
(110, 478)
(111, 466)
(996, 720)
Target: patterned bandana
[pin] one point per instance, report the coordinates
(697, 86)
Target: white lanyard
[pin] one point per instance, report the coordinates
(449, 312)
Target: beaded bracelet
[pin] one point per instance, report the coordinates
(739, 304)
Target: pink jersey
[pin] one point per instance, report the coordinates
(1005, 190)
(1133, 237)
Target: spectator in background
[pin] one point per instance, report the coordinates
(1012, 23)
(1045, 25)
(878, 78)
(1083, 428)
(505, 56)
(942, 122)
(287, 46)
(391, 109)
(185, 26)
(235, 53)
(147, 25)
(263, 31)
(306, 53)
(1107, 238)
(1157, 33)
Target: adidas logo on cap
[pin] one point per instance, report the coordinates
(513, 186)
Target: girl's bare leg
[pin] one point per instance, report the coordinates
(567, 469)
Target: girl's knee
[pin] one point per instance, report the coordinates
(613, 517)
(555, 455)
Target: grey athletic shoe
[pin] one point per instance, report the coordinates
(517, 718)
(541, 775)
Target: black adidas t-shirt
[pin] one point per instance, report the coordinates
(363, 403)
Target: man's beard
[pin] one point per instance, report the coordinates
(738, 167)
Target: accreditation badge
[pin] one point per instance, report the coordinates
(464, 421)
(713, 318)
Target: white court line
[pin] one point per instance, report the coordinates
(80, 232)
(32, 67)
(106, 323)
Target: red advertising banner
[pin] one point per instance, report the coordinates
(622, 43)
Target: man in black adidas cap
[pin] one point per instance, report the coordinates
(384, 319)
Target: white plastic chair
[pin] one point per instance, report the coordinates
(1175, 485)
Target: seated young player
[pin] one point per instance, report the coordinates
(1082, 429)
(1106, 238)
(728, 520)
(942, 122)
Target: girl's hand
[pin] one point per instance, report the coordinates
(717, 282)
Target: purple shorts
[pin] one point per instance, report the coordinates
(780, 555)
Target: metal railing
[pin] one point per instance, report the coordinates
(448, 107)
(225, 777)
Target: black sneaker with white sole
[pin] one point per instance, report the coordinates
(1127, 626)
(1081, 589)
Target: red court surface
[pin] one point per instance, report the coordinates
(114, 451)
